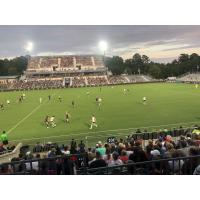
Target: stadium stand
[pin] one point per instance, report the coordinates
(66, 71)
(78, 82)
(190, 78)
(96, 80)
(139, 78)
(117, 80)
(160, 154)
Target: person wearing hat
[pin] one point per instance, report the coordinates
(4, 138)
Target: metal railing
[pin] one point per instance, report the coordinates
(57, 165)
(91, 138)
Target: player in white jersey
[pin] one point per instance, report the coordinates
(23, 96)
(52, 121)
(125, 91)
(8, 101)
(93, 122)
(99, 101)
(144, 99)
(40, 99)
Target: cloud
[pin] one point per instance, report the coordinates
(156, 41)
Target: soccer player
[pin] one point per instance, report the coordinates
(99, 101)
(40, 99)
(49, 97)
(23, 96)
(60, 99)
(93, 122)
(4, 138)
(67, 117)
(73, 104)
(52, 121)
(1, 106)
(125, 91)
(20, 99)
(144, 99)
(196, 86)
(8, 102)
(46, 121)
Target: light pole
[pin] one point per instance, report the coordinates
(103, 46)
(28, 48)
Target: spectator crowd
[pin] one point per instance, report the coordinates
(132, 155)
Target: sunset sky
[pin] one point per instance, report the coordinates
(160, 43)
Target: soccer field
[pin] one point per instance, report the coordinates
(168, 105)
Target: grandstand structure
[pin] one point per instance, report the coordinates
(45, 66)
(65, 71)
(190, 78)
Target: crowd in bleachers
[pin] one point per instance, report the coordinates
(65, 61)
(48, 62)
(78, 81)
(77, 158)
(97, 80)
(117, 80)
(37, 84)
(84, 60)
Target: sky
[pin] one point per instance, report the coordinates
(159, 43)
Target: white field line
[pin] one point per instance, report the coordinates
(22, 120)
(26, 117)
(112, 130)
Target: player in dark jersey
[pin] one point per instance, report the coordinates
(1, 106)
(49, 97)
(67, 117)
(20, 99)
(46, 121)
(73, 104)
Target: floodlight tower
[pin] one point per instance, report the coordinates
(103, 46)
(28, 49)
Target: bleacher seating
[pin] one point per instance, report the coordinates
(66, 61)
(117, 80)
(192, 78)
(78, 82)
(84, 60)
(97, 80)
(139, 78)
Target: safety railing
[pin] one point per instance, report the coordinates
(62, 165)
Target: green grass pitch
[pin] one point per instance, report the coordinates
(168, 105)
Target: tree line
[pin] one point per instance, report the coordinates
(141, 64)
(138, 64)
(15, 66)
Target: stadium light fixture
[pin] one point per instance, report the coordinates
(29, 46)
(103, 46)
